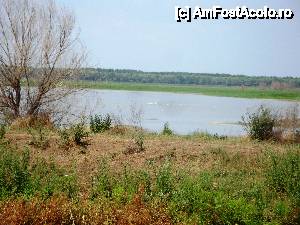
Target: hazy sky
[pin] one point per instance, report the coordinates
(143, 34)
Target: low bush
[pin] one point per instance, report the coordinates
(47, 180)
(137, 144)
(65, 136)
(167, 130)
(100, 123)
(19, 178)
(283, 175)
(103, 182)
(75, 135)
(260, 124)
(120, 187)
(207, 136)
(2, 131)
(14, 171)
(40, 136)
(79, 134)
(165, 181)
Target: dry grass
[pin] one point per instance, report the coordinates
(43, 119)
(233, 169)
(194, 153)
(60, 210)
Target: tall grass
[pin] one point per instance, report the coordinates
(20, 178)
(211, 197)
(283, 175)
(221, 195)
(14, 172)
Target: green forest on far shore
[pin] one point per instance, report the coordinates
(184, 78)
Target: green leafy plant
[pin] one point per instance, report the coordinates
(283, 175)
(167, 130)
(208, 136)
(19, 178)
(65, 137)
(80, 134)
(165, 180)
(100, 123)
(14, 171)
(2, 131)
(48, 179)
(76, 134)
(120, 187)
(138, 143)
(39, 136)
(103, 182)
(260, 124)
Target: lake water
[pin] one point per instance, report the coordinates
(185, 113)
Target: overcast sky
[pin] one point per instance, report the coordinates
(143, 35)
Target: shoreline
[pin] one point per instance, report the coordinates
(220, 91)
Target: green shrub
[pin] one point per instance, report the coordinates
(128, 183)
(165, 180)
(208, 136)
(283, 175)
(191, 194)
(120, 187)
(80, 134)
(138, 143)
(14, 171)
(103, 182)
(76, 134)
(65, 137)
(203, 199)
(2, 131)
(39, 136)
(18, 178)
(260, 124)
(47, 179)
(100, 123)
(214, 197)
(167, 130)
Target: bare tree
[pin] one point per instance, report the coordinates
(39, 49)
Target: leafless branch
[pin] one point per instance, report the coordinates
(39, 49)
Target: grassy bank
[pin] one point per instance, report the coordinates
(247, 92)
(196, 179)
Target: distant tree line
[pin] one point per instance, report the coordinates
(136, 76)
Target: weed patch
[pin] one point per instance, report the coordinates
(100, 123)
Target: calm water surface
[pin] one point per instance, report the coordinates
(185, 113)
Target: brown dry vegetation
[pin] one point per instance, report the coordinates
(209, 180)
(60, 210)
(190, 153)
